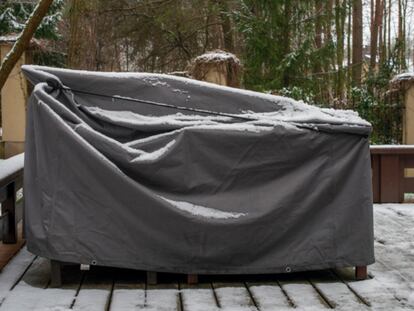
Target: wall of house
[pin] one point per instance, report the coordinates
(13, 106)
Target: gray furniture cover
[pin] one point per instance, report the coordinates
(114, 182)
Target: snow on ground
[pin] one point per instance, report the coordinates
(24, 283)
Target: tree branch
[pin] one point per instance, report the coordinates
(23, 40)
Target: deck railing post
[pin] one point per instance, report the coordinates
(390, 179)
(9, 207)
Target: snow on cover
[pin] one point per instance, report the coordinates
(292, 110)
(155, 155)
(202, 211)
(260, 121)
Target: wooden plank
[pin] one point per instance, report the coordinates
(303, 294)
(163, 297)
(198, 297)
(129, 291)
(12, 273)
(269, 296)
(408, 160)
(233, 296)
(375, 166)
(391, 177)
(373, 290)
(30, 293)
(96, 291)
(132, 298)
(7, 251)
(337, 292)
(409, 185)
(375, 149)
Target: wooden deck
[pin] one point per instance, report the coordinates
(25, 283)
(7, 251)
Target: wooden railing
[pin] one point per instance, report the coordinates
(11, 180)
(390, 178)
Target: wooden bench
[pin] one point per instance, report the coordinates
(11, 180)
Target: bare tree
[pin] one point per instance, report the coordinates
(357, 42)
(23, 40)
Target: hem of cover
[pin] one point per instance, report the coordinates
(188, 268)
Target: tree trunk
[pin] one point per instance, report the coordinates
(376, 21)
(286, 43)
(389, 27)
(226, 26)
(23, 40)
(340, 14)
(348, 47)
(318, 24)
(401, 37)
(318, 33)
(356, 42)
(383, 35)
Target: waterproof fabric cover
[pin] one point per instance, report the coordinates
(119, 183)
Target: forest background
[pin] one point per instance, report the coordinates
(331, 53)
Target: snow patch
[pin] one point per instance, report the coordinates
(202, 211)
(154, 81)
(216, 56)
(124, 117)
(155, 155)
(392, 146)
(11, 165)
(403, 76)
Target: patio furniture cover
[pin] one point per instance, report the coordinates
(269, 185)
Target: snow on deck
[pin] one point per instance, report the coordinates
(11, 166)
(24, 283)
